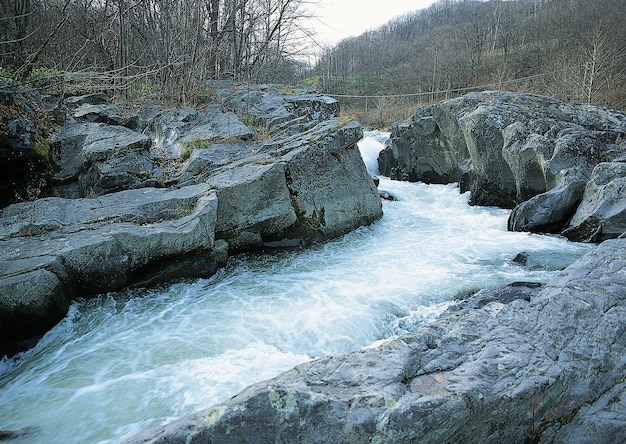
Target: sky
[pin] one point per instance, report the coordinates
(338, 19)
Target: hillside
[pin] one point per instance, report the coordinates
(568, 49)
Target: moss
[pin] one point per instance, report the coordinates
(42, 146)
(285, 404)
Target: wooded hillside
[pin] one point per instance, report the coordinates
(568, 49)
(168, 46)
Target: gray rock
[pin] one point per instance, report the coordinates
(507, 148)
(179, 132)
(87, 99)
(266, 106)
(331, 191)
(513, 372)
(254, 204)
(204, 161)
(296, 190)
(101, 159)
(20, 134)
(602, 213)
(53, 250)
(549, 212)
(101, 113)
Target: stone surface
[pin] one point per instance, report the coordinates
(53, 250)
(97, 158)
(276, 111)
(525, 371)
(603, 206)
(181, 131)
(508, 148)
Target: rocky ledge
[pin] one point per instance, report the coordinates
(531, 362)
(172, 201)
(517, 364)
(562, 167)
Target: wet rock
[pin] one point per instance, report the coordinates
(603, 205)
(386, 195)
(550, 211)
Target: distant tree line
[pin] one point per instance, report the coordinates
(569, 49)
(172, 45)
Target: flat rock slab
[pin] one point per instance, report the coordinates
(516, 372)
(53, 250)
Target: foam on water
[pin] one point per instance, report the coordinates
(124, 362)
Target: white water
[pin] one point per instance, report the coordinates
(122, 363)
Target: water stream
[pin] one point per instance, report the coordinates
(124, 362)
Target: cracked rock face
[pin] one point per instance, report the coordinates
(117, 225)
(538, 369)
(522, 151)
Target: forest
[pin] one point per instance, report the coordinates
(569, 49)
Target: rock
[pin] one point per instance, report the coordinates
(516, 372)
(603, 206)
(386, 195)
(508, 149)
(600, 422)
(20, 134)
(179, 132)
(53, 250)
(331, 191)
(503, 295)
(97, 158)
(203, 162)
(549, 212)
(277, 112)
(254, 204)
(103, 113)
(87, 99)
(296, 190)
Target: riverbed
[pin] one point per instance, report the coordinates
(127, 361)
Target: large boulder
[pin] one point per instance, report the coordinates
(548, 366)
(53, 250)
(602, 213)
(96, 158)
(296, 190)
(181, 131)
(507, 148)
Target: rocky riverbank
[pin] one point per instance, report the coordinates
(532, 362)
(560, 166)
(516, 364)
(158, 196)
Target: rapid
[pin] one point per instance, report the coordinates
(127, 361)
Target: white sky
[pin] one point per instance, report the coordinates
(338, 19)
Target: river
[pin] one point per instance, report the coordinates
(124, 362)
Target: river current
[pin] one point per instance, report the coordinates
(124, 362)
